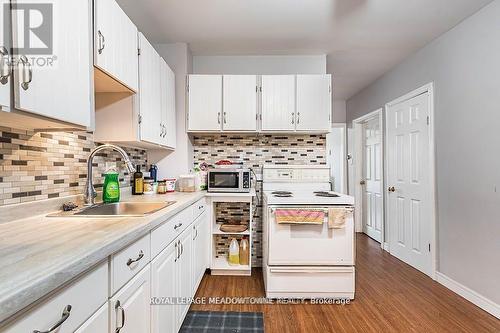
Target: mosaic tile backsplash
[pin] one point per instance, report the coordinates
(44, 165)
(255, 150)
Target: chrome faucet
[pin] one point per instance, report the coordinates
(90, 192)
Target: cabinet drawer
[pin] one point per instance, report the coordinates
(85, 296)
(168, 231)
(129, 261)
(199, 207)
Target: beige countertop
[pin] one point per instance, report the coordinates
(40, 254)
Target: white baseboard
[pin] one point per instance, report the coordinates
(386, 246)
(469, 294)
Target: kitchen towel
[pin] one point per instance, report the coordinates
(299, 216)
(337, 216)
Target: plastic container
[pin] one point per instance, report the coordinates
(234, 252)
(187, 183)
(170, 184)
(244, 252)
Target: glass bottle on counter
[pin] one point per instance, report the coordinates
(138, 182)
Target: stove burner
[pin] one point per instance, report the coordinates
(282, 193)
(326, 194)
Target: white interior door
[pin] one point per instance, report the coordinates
(314, 102)
(409, 208)
(5, 72)
(278, 102)
(205, 103)
(239, 103)
(373, 202)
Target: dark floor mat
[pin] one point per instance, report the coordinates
(218, 322)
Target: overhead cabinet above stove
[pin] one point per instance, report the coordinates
(267, 103)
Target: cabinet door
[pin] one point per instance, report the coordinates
(149, 92)
(5, 71)
(171, 120)
(130, 307)
(115, 43)
(164, 284)
(167, 105)
(205, 103)
(97, 323)
(57, 85)
(278, 102)
(314, 102)
(239, 103)
(200, 249)
(185, 272)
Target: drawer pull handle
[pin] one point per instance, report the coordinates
(131, 261)
(118, 306)
(200, 207)
(65, 316)
(177, 226)
(176, 251)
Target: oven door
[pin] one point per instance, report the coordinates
(309, 245)
(224, 181)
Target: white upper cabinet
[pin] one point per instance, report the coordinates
(115, 43)
(57, 84)
(150, 93)
(205, 103)
(239, 105)
(168, 119)
(314, 102)
(278, 102)
(5, 70)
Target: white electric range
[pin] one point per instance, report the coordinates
(302, 260)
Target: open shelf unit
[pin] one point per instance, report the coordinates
(219, 264)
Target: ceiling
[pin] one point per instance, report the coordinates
(362, 38)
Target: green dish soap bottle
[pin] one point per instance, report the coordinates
(111, 189)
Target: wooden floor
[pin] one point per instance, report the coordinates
(390, 297)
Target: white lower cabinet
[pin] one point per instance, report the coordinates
(69, 308)
(130, 307)
(164, 290)
(184, 273)
(201, 234)
(97, 323)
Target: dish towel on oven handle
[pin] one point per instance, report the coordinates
(337, 217)
(299, 216)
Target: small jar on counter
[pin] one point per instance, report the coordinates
(148, 185)
(162, 186)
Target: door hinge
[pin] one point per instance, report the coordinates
(260, 88)
(428, 120)
(256, 88)
(429, 247)
(138, 52)
(187, 88)
(140, 119)
(330, 89)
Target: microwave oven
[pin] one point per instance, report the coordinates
(229, 180)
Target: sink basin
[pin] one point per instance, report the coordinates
(131, 209)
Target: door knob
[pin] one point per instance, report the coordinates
(391, 189)
(363, 182)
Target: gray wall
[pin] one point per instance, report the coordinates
(286, 64)
(464, 64)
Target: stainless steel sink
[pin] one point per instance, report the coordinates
(130, 209)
